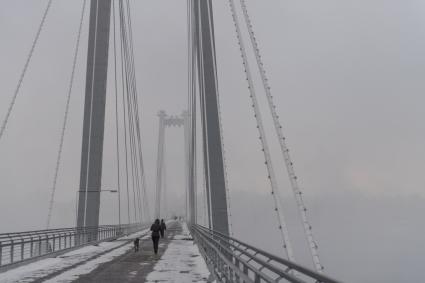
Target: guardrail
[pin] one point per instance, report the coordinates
(234, 261)
(23, 246)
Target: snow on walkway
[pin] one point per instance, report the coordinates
(181, 262)
(74, 273)
(45, 267)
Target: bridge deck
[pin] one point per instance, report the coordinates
(178, 261)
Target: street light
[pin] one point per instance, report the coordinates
(93, 191)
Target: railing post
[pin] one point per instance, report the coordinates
(22, 249)
(217, 263)
(235, 273)
(12, 250)
(1, 253)
(245, 269)
(48, 248)
(32, 247)
(54, 243)
(39, 245)
(77, 236)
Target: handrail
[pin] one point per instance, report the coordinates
(265, 267)
(240, 273)
(257, 271)
(265, 264)
(18, 247)
(290, 264)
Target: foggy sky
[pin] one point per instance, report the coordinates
(347, 79)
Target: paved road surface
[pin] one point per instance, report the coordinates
(132, 266)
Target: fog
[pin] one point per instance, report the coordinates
(347, 79)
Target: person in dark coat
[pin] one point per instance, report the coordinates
(163, 228)
(136, 244)
(155, 228)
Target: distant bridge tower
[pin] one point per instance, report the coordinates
(166, 121)
(94, 114)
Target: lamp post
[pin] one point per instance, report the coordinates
(95, 191)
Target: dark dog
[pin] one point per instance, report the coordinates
(136, 245)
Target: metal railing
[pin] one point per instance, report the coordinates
(18, 247)
(234, 261)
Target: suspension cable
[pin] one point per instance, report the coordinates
(191, 80)
(65, 118)
(190, 122)
(24, 70)
(271, 174)
(129, 154)
(285, 151)
(116, 116)
(133, 112)
(123, 84)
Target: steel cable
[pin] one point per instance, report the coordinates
(24, 70)
(65, 118)
(268, 162)
(116, 116)
(302, 209)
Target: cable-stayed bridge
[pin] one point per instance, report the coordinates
(111, 55)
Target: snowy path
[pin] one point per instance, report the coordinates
(80, 261)
(181, 262)
(178, 261)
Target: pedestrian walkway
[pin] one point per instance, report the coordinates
(181, 262)
(178, 261)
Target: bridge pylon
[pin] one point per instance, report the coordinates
(94, 114)
(202, 39)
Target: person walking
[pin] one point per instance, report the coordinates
(155, 228)
(163, 228)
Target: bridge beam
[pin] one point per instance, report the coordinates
(94, 114)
